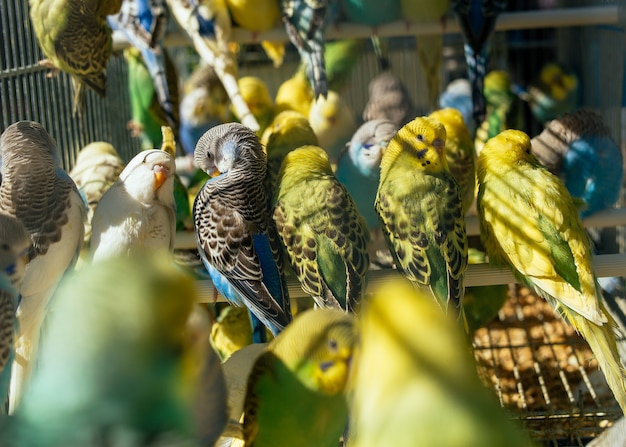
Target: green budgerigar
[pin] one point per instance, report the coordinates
(530, 222)
(321, 229)
(120, 363)
(420, 206)
(295, 395)
(75, 38)
(459, 152)
(414, 383)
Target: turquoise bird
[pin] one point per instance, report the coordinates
(232, 225)
(321, 229)
(371, 12)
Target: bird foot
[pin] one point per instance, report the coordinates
(47, 63)
(135, 128)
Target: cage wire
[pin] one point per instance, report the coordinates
(542, 372)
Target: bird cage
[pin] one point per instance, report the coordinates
(542, 372)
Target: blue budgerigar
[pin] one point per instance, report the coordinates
(477, 19)
(578, 148)
(232, 224)
(143, 23)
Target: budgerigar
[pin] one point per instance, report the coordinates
(259, 16)
(231, 331)
(295, 392)
(530, 223)
(429, 47)
(458, 94)
(37, 191)
(75, 38)
(257, 96)
(208, 24)
(321, 229)
(295, 93)
(459, 152)
(420, 205)
(341, 57)
(358, 167)
(138, 211)
(477, 19)
(389, 99)
(288, 131)
(413, 381)
(578, 148)
(120, 348)
(143, 23)
(97, 167)
(14, 245)
(232, 224)
(333, 121)
(305, 22)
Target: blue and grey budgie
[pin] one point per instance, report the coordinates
(75, 38)
(120, 363)
(14, 245)
(232, 224)
(143, 23)
(458, 95)
(477, 19)
(305, 22)
(36, 190)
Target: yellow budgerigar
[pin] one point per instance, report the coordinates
(459, 152)
(420, 206)
(530, 222)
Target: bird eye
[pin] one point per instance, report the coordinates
(332, 344)
(419, 137)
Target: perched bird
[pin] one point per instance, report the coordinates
(341, 57)
(358, 167)
(433, 379)
(38, 192)
(429, 47)
(294, 93)
(231, 332)
(579, 149)
(530, 223)
(97, 167)
(612, 436)
(321, 229)
(288, 131)
(119, 334)
(333, 122)
(232, 224)
(147, 114)
(458, 95)
(259, 16)
(208, 24)
(75, 38)
(477, 19)
(459, 152)
(305, 22)
(137, 212)
(14, 245)
(552, 93)
(420, 205)
(389, 99)
(256, 95)
(295, 393)
(143, 23)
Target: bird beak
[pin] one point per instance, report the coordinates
(215, 173)
(439, 144)
(160, 175)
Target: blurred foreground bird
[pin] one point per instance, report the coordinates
(421, 211)
(38, 192)
(232, 224)
(459, 152)
(412, 375)
(120, 364)
(75, 38)
(530, 223)
(321, 229)
(579, 149)
(295, 394)
(14, 245)
(138, 211)
(389, 99)
(477, 19)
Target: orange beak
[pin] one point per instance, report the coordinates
(160, 175)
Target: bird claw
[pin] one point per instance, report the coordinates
(135, 128)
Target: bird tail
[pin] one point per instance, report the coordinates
(316, 68)
(155, 61)
(476, 68)
(601, 340)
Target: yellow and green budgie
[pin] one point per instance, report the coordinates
(414, 383)
(295, 395)
(530, 222)
(420, 206)
(459, 152)
(321, 230)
